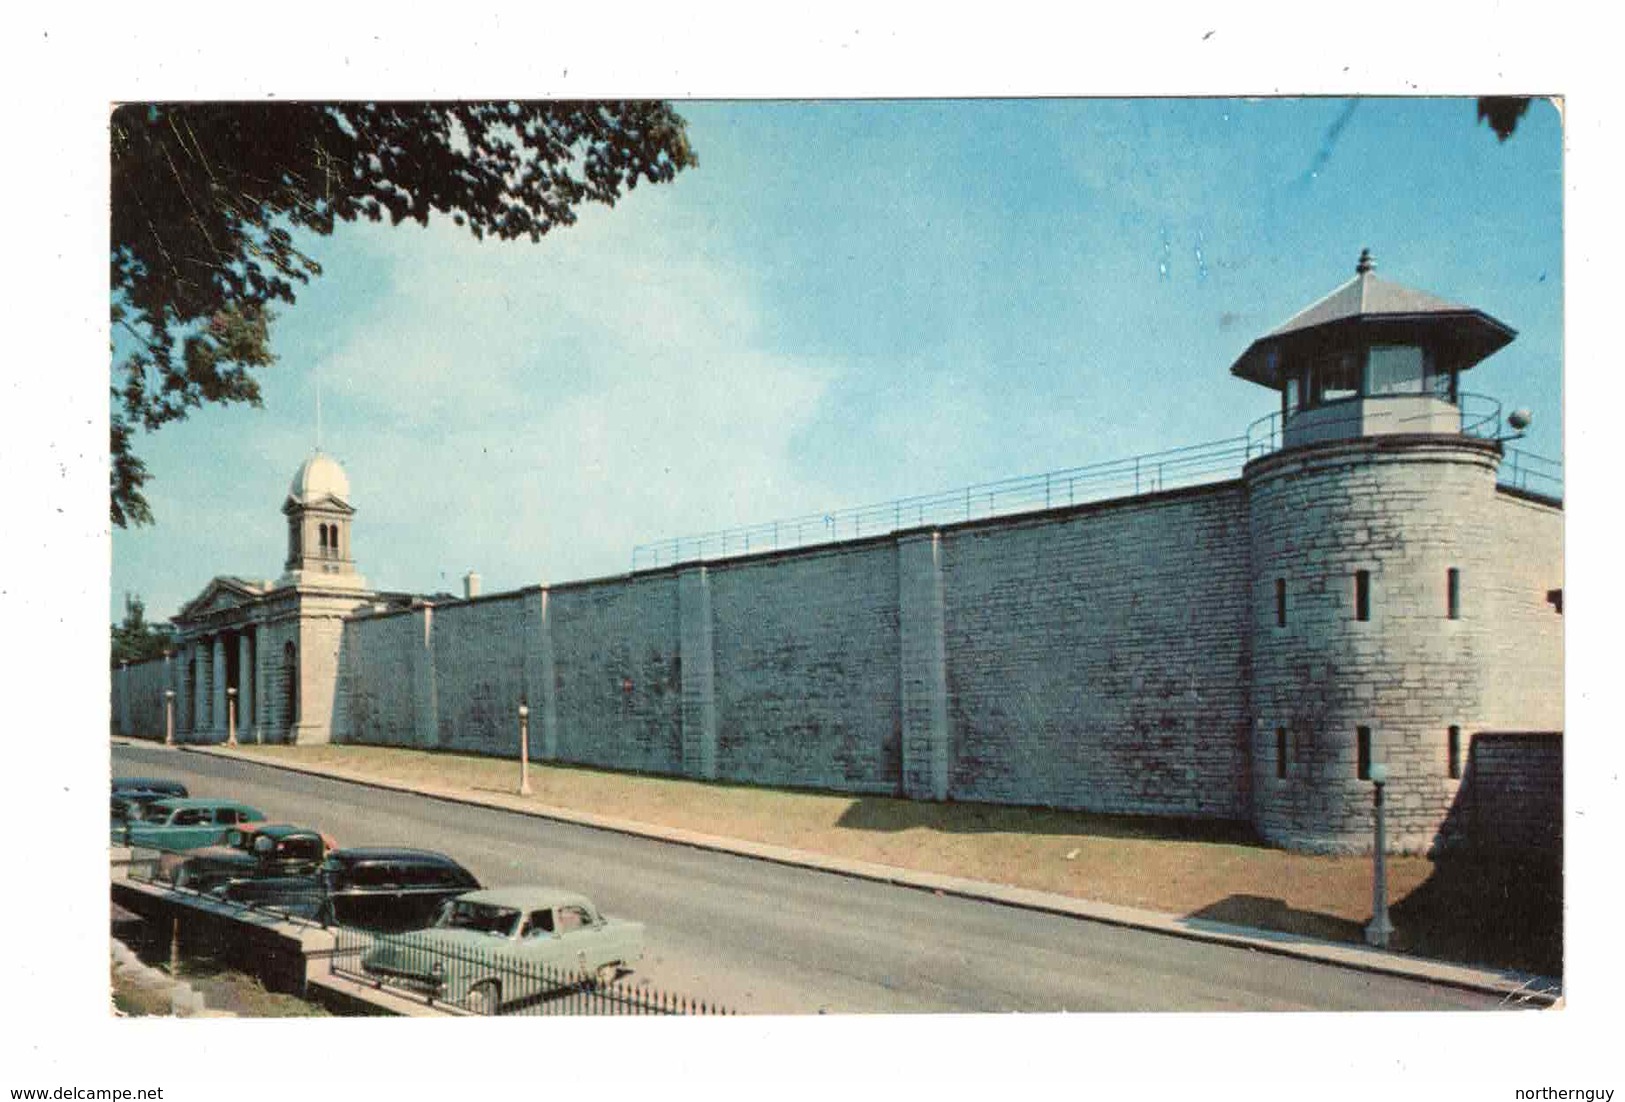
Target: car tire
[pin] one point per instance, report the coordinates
(484, 998)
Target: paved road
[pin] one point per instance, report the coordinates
(767, 938)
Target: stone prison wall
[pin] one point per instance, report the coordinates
(1092, 657)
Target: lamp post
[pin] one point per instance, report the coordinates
(1380, 929)
(524, 749)
(231, 717)
(169, 717)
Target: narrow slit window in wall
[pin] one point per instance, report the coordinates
(1362, 594)
(1362, 753)
(1454, 751)
(1280, 602)
(1280, 753)
(1452, 578)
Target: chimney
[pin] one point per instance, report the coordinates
(471, 585)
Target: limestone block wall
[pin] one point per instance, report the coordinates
(806, 668)
(618, 691)
(381, 659)
(138, 697)
(1511, 795)
(479, 674)
(1122, 656)
(1099, 659)
(1523, 649)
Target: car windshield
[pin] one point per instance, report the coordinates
(462, 915)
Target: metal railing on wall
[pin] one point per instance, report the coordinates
(491, 982)
(1165, 470)
(1175, 468)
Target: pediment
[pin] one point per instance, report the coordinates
(221, 595)
(322, 503)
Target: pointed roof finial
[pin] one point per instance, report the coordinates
(1366, 264)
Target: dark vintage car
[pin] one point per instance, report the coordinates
(132, 793)
(380, 888)
(250, 851)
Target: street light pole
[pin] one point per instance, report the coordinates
(169, 717)
(1380, 929)
(524, 749)
(231, 717)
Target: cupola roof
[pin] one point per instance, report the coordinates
(319, 477)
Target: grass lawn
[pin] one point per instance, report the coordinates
(1213, 871)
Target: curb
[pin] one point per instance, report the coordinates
(1544, 991)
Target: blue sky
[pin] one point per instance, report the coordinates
(846, 302)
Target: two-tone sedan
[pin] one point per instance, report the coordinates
(498, 948)
(175, 824)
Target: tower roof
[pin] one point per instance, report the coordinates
(319, 477)
(1376, 309)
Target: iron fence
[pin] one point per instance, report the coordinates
(493, 981)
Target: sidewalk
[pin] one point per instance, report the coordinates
(1513, 985)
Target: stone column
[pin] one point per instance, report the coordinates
(263, 731)
(699, 688)
(245, 687)
(199, 710)
(923, 662)
(217, 679)
(541, 680)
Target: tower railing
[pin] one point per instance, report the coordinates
(1478, 416)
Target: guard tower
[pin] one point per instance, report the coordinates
(1375, 563)
(1372, 358)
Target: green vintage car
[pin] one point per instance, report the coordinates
(184, 824)
(499, 948)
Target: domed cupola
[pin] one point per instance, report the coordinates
(319, 515)
(1372, 358)
(319, 477)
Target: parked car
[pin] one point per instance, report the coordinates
(385, 889)
(504, 946)
(249, 851)
(172, 824)
(135, 792)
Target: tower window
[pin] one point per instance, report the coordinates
(1394, 369)
(1362, 594)
(1280, 753)
(1453, 751)
(1362, 753)
(1452, 579)
(1280, 602)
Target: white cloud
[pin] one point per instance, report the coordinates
(564, 401)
